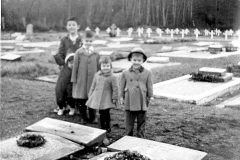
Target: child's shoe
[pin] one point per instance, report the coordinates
(72, 111)
(56, 110)
(60, 111)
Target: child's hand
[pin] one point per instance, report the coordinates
(53, 53)
(150, 100)
(114, 101)
(121, 101)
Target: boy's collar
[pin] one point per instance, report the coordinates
(141, 68)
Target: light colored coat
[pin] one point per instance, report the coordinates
(135, 89)
(103, 91)
(84, 68)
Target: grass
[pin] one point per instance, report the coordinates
(205, 128)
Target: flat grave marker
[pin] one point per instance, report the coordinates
(11, 57)
(48, 78)
(105, 53)
(184, 89)
(125, 64)
(122, 45)
(75, 132)
(156, 150)
(217, 71)
(55, 147)
(158, 60)
(103, 155)
(198, 55)
(33, 51)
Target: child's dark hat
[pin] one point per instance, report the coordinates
(137, 50)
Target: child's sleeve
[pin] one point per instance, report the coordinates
(150, 86)
(60, 56)
(75, 67)
(115, 88)
(93, 85)
(122, 85)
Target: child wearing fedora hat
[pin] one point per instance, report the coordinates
(136, 92)
(86, 64)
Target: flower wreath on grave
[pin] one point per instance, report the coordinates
(31, 141)
(127, 154)
(204, 77)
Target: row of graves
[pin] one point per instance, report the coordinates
(50, 139)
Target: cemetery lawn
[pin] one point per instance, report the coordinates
(205, 128)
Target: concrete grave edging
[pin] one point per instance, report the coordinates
(201, 98)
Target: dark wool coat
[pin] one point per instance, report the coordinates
(63, 87)
(135, 89)
(103, 91)
(84, 68)
(66, 47)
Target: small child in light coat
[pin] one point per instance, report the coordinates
(136, 92)
(103, 94)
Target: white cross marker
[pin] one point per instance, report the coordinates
(108, 30)
(196, 32)
(149, 31)
(118, 31)
(167, 31)
(183, 33)
(186, 31)
(226, 34)
(212, 33)
(139, 32)
(176, 30)
(206, 32)
(172, 32)
(97, 31)
(159, 32)
(130, 30)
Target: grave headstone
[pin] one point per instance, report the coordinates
(187, 31)
(97, 31)
(167, 31)
(159, 32)
(139, 31)
(149, 31)
(54, 148)
(130, 30)
(183, 33)
(212, 33)
(231, 32)
(206, 32)
(172, 32)
(29, 31)
(226, 34)
(177, 30)
(118, 31)
(108, 30)
(75, 132)
(156, 150)
(196, 32)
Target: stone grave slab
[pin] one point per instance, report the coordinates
(203, 43)
(158, 60)
(55, 147)
(99, 42)
(122, 45)
(7, 48)
(198, 55)
(38, 44)
(105, 53)
(156, 150)
(75, 132)
(33, 51)
(20, 38)
(124, 64)
(103, 155)
(11, 57)
(186, 90)
(10, 41)
(166, 48)
(215, 71)
(122, 39)
(49, 78)
(231, 103)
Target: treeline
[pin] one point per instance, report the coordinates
(52, 14)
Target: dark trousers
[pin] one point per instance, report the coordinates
(64, 100)
(105, 118)
(141, 117)
(81, 106)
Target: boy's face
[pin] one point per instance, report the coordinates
(70, 64)
(136, 60)
(87, 43)
(105, 67)
(72, 27)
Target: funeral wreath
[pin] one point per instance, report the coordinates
(31, 140)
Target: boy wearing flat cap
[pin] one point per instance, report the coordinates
(136, 92)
